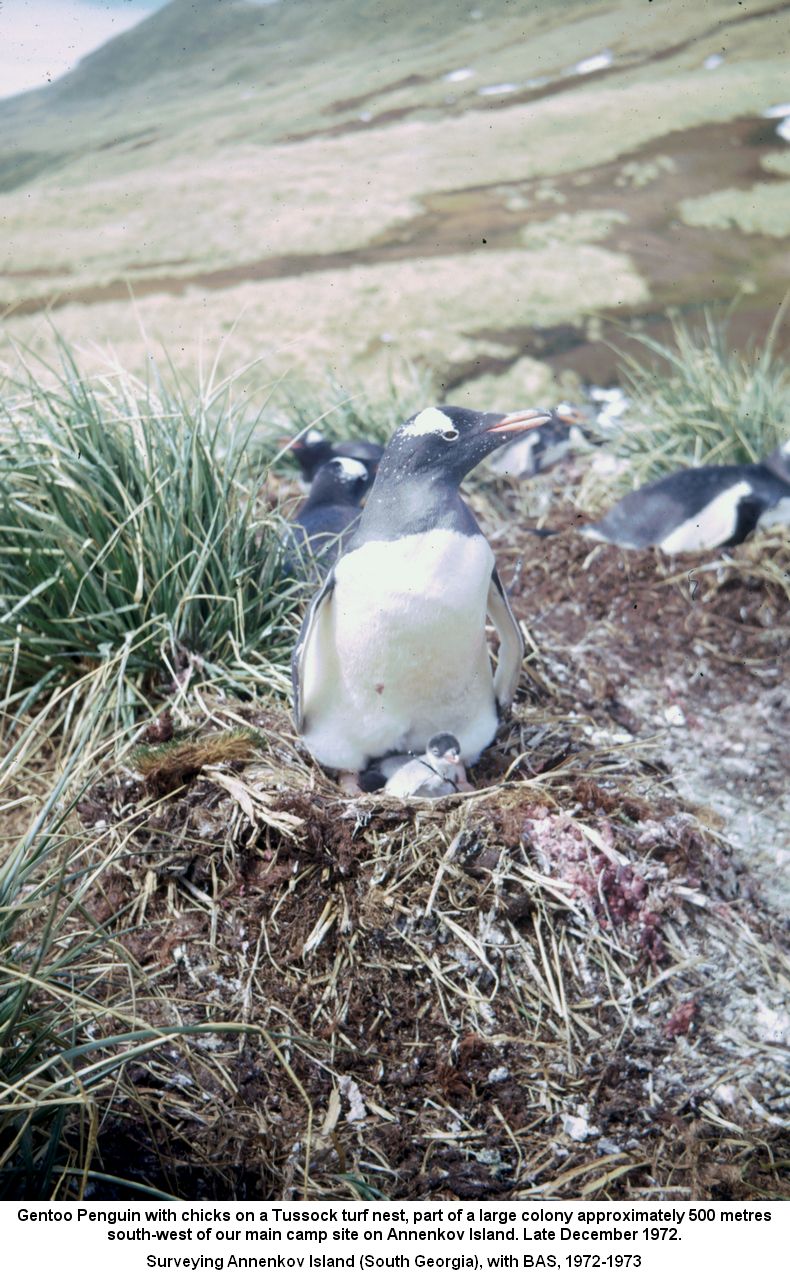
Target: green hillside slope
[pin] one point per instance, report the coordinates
(357, 179)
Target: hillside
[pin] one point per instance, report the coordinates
(356, 185)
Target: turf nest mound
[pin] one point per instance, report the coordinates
(552, 987)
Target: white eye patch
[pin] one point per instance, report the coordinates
(431, 420)
(349, 470)
(312, 436)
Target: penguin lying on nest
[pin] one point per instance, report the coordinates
(713, 506)
(312, 450)
(542, 448)
(439, 772)
(321, 524)
(395, 639)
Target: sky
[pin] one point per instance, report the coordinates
(42, 39)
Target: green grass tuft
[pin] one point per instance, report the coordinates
(131, 529)
(701, 402)
(343, 411)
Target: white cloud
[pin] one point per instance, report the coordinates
(42, 39)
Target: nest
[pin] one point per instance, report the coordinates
(553, 987)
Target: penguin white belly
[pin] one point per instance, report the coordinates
(399, 652)
(711, 526)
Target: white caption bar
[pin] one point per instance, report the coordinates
(644, 1236)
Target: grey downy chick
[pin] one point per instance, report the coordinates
(439, 772)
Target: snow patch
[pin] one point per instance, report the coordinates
(497, 90)
(598, 62)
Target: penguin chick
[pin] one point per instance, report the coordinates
(321, 524)
(395, 639)
(713, 506)
(439, 772)
(542, 448)
(312, 450)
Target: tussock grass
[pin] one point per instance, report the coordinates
(173, 762)
(699, 401)
(340, 408)
(131, 530)
(350, 410)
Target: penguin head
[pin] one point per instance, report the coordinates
(341, 481)
(448, 442)
(779, 462)
(444, 747)
(310, 449)
(310, 442)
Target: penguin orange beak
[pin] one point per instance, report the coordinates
(520, 422)
(571, 417)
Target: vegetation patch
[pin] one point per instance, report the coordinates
(130, 535)
(702, 401)
(764, 209)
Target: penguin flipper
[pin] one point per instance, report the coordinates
(511, 642)
(309, 625)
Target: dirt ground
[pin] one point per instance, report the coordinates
(688, 656)
(569, 983)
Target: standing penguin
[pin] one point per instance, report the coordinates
(713, 506)
(312, 449)
(333, 506)
(395, 639)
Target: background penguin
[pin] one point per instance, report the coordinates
(395, 639)
(312, 450)
(439, 772)
(708, 507)
(332, 507)
(542, 448)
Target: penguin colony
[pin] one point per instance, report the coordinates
(393, 648)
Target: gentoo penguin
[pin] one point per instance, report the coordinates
(332, 507)
(542, 448)
(312, 450)
(395, 639)
(439, 772)
(712, 506)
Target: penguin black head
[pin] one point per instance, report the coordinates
(446, 443)
(445, 747)
(312, 449)
(341, 481)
